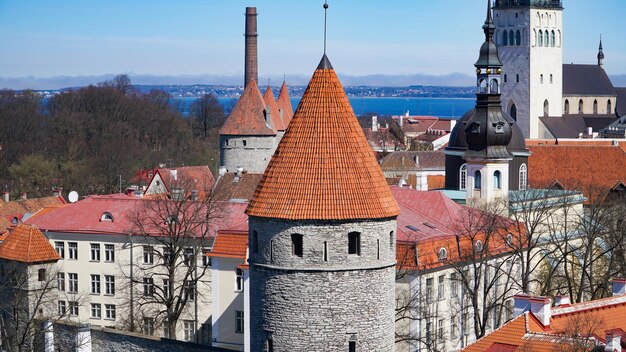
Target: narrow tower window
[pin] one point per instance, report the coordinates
(392, 243)
(552, 39)
(551, 79)
(609, 108)
(511, 38)
(354, 243)
(580, 106)
(463, 177)
(566, 109)
(494, 86)
(518, 38)
(546, 38)
(505, 38)
(377, 249)
(325, 254)
(595, 107)
(541, 78)
(546, 108)
(296, 244)
(352, 346)
(540, 38)
(497, 180)
(514, 112)
(523, 177)
(477, 180)
(517, 78)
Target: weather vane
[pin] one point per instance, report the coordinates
(325, 16)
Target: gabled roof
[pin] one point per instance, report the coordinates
(19, 208)
(26, 244)
(230, 245)
(577, 167)
(272, 106)
(323, 168)
(406, 160)
(248, 117)
(586, 80)
(233, 187)
(199, 177)
(284, 104)
(527, 333)
(570, 126)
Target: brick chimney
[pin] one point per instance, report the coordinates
(618, 286)
(561, 301)
(374, 123)
(614, 340)
(251, 68)
(541, 309)
(6, 196)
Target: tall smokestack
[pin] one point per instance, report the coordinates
(251, 65)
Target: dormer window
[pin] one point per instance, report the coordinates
(15, 220)
(478, 246)
(474, 128)
(443, 255)
(498, 127)
(106, 216)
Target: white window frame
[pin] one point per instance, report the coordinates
(96, 311)
(72, 283)
(73, 308)
(109, 253)
(148, 255)
(110, 311)
(109, 285)
(189, 330)
(61, 281)
(238, 280)
(72, 250)
(523, 177)
(59, 246)
(463, 177)
(95, 252)
(96, 286)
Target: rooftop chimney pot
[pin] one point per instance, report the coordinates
(541, 309)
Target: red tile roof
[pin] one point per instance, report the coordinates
(526, 333)
(270, 103)
(200, 176)
(230, 245)
(26, 244)
(323, 168)
(583, 167)
(284, 104)
(85, 216)
(230, 187)
(248, 115)
(19, 208)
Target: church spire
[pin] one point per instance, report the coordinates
(600, 54)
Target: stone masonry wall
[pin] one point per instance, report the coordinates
(306, 303)
(253, 157)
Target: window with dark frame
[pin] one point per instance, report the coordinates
(296, 244)
(95, 252)
(354, 243)
(109, 253)
(239, 321)
(351, 346)
(41, 275)
(60, 248)
(239, 280)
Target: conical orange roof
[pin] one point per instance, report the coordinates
(26, 244)
(248, 117)
(284, 104)
(323, 168)
(270, 103)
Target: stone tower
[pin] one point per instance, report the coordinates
(322, 228)
(486, 155)
(529, 36)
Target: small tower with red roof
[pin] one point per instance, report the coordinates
(322, 234)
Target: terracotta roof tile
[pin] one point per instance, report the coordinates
(284, 104)
(230, 245)
(230, 187)
(201, 176)
(248, 115)
(19, 208)
(577, 167)
(26, 244)
(270, 103)
(323, 168)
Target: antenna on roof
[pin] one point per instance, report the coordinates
(325, 16)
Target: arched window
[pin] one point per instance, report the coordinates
(541, 78)
(106, 216)
(580, 106)
(540, 43)
(443, 254)
(595, 107)
(514, 112)
(463, 177)
(609, 107)
(477, 180)
(509, 240)
(546, 108)
(511, 38)
(483, 86)
(494, 87)
(535, 35)
(497, 180)
(558, 39)
(552, 39)
(546, 38)
(518, 38)
(551, 79)
(525, 37)
(566, 109)
(523, 177)
(505, 38)
(479, 246)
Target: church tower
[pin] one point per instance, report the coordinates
(529, 36)
(322, 240)
(486, 156)
(601, 54)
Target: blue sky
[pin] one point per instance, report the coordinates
(45, 38)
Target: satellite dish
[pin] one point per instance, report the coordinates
(73, 196)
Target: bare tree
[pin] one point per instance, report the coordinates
(173, 230)
(207, 113)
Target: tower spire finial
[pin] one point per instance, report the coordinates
(600, 54)
(489, 28)
(325, 17)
